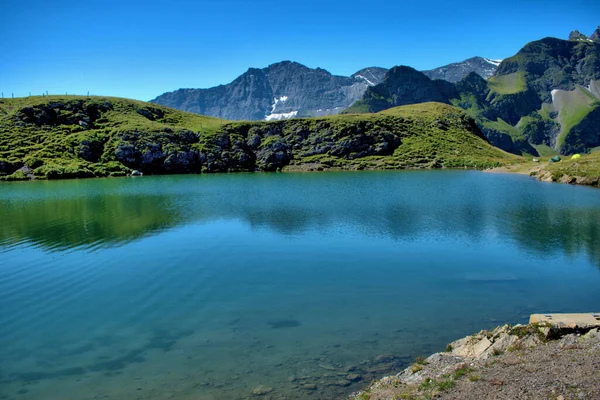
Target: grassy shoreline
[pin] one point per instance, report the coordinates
(583, 171)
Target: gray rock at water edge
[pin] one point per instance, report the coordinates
(500, 345)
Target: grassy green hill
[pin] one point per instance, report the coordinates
(71, 137)
(74, 136)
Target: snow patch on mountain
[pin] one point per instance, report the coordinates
(276, 101)
(493, 62)
(280, 116)
(368, 81)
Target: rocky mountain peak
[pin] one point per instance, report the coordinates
(404, 71)
(287, 65)
(484, 67)
(371, 75)
(576, 35)
(596, 35)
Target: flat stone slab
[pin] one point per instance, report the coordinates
(565, 321)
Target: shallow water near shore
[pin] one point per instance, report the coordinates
(209, 286)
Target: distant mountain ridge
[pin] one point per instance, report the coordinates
(280, 91)
(594, 37)
(454, 72)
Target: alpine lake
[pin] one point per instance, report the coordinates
(274, 285)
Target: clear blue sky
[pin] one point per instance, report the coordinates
(140, 49)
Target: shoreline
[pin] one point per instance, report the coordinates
(536, 171)
(543, 359)
(543, 173)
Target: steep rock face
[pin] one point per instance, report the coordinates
(539, 130)
(454, 72)
(279, 91)
(245, 98)
(584, 135)
(512, 107)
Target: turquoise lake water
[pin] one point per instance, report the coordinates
(208, 286)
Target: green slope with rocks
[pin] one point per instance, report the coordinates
(73, 137)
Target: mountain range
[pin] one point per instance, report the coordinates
(288, 89)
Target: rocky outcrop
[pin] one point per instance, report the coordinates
(274, 145)
(160, 152)
(62, 113)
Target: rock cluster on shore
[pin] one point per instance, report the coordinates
(523, 361)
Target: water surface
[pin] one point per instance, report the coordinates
(205, 287)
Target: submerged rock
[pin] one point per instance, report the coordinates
(261, 390)
(308, 386)
(354, 377)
